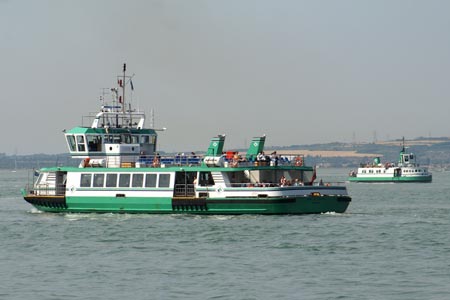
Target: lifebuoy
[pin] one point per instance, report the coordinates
(86, 162)
(298, 161)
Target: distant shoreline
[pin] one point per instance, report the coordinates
(327, 153)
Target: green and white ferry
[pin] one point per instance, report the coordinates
(122, 172)
(406, 170)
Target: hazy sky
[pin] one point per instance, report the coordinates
(300, 72)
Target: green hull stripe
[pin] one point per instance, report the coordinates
(391, 179)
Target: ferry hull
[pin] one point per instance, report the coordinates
(290, 205)
(122, 172)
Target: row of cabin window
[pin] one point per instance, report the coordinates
(371, 171)
(97, 180)
(414, 171)
(405, 171)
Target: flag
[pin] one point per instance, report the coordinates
(313, 176)
(131, 84)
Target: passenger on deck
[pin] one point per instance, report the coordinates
(283, 181)
(261, 156)
(235, 161)
(274, 158)
(297, 182)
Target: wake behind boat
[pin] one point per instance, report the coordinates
(121, 171)
(406, 170)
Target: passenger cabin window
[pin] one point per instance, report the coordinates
(164, 180)
(124, 180)
(99, 179)
(206, 179)
(138, 180)
(85, 180)
(71, 142)
(39, 180)
(150, 180)
(111, 180)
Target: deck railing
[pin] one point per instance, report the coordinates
(45, 190)
(272, 184)
(239, 161)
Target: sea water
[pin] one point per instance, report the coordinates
(392, 243)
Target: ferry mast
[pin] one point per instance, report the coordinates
(123, 87)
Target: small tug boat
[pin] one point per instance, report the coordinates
(122, 172)
(406, 170)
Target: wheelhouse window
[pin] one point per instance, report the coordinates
(147, 143)
(85, 180)
(164, 180)
(145, 139)
(112, 139)
(94, 142)
(150, 180)
(135, 139)
(99, 179)
(71, 142)
(124, 180)
(111, 180)
(138, 180)
(81, 143)
(126, 138)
